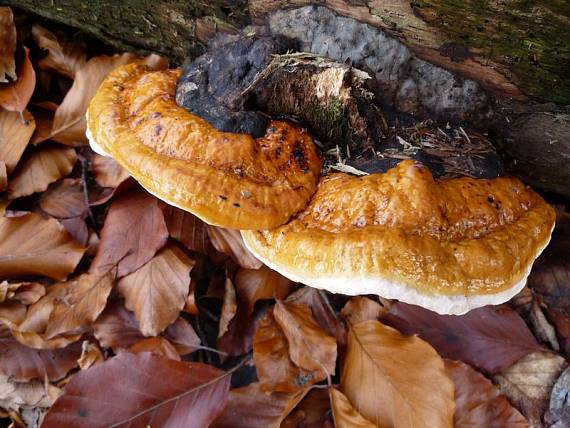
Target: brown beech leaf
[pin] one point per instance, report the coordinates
(187, 229)
(78, 229)
(258, 284)
(24, 363)
(15, 132)
(314, 411)
(478, 403)
(558, 414)
(23, 292)
(31, 245)
(238, 338)
(69, 123)
(275, 370)
(21, 396)
(529, 381)
(362, 308)
(562, 325)
(395, 381)
(108, 173)
(309, 346)
(64, 199)
(157, 292)
(182, 336)
(40, 168)
(7, 44)
(229, 307)
(542, 329)
(133, 232)
(230, 242)
(63, 57)
(489, 338)
(251, 407)
(157, 346)
(90, 355)
(117, 327)
(15, 96)
(3, 177)
(345, 415)
(141, 390)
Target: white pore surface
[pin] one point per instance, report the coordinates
(356, 285)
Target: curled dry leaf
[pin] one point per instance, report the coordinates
(559, 410)
(117, 327)
(69, 125)
(314, 411)
(108, 173)
(258, 284)
(229, 307)
(156, 346)
(15, 132)
(182, 336)
(478, 403)
(562, 325)
(23, 292)
(78, 229)
(396, 381)
(63, 57)
(528, 383)
(157, 292)
(309, 346)
(133, 232)
(542, 329)
(90, 355)
(488, 338)
(3, 177)
(251, 407)
(362, 308)
(31, 245)
(135, 389)
(15, 96)
(238, 338)
(345, 415)
(64, 199)
(230, 242)
(187, 229)
(21, 395)
(40, 168)
(7, 44)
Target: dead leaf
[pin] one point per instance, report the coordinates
(230, 242)
(390, 378)
(63, 57)
(251, 407)
(229, 307)
(64, 199)
(562, 325)
(314, 411)
(90, 355)
(156, 346)
(135, 389)
(117, 327)
(15, 132)
(309, 346)
(528, 383)
(40, 168)
(558, 414)
(133, 232)
(31, 245)
(78, 229)
(182, 336)
(15, 96)
(345, 415)
(19, 395)
(108, 173)
(238, 338)
(275, 370)
(157, 292)
(489, 338)
(542, 329)
(3, 177)
(7, 44)
(187, 229)
(478, 403)
(259, 284)
(360, 308)
(23, 292)
(69, 123)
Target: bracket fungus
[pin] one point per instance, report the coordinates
(229, 180)
(448, 245)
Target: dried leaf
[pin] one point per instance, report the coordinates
(258, 284)
(157, 292)
(77, 228)
(182, 336)
(108, 173)
(238, 338)
(187, 229)
(7, 44)
(64, 199)
(390, 378)
(251, 407)
(314, 411)
(230, 242)
(309, 346)
(15, 132)
(133, 232)
(15, 96)
(558, 414)
(362, 308)
(542, 329)
(488, 338)
(345, 415)
(3, 177)
(90, 355)
(69, 125)
(562, 326)
(23, 292)
(17, 395)
(117, 327)
(529, 381)
(30, 245)
(229, 307)
(478, 402)
(63, 57)
(40, 168)
(135, 389)
(156, 346)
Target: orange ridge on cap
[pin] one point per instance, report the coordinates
(448, 245)
(228, 180)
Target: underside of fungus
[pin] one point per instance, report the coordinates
(447, 245)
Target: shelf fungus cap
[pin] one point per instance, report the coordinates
(448, 245)
(228, 180)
